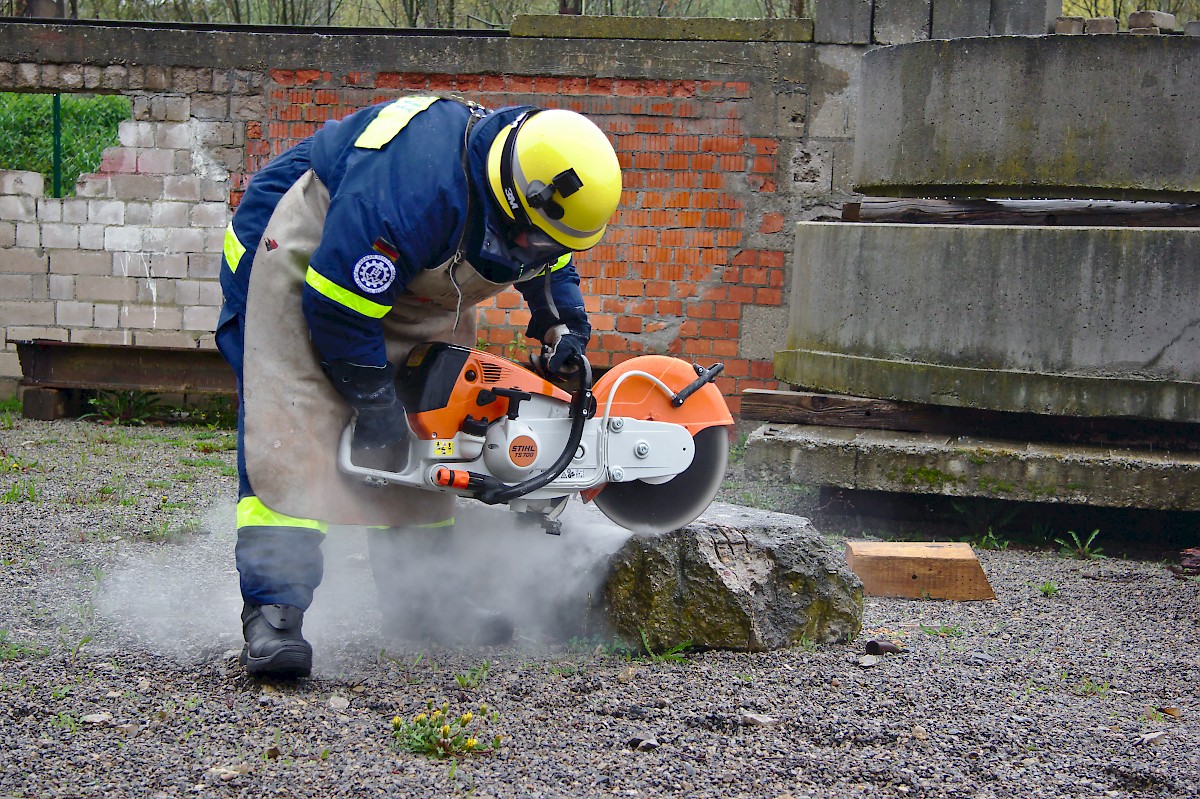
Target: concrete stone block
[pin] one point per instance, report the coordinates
(184, 240)
(211, 106)
(958, 19)
(16, 181)
(73, 314)
(902, 21)
(187, 292)
(77, 262)
(123, 239)
(191, 188)
(200, 317)
(97, 288)
(137, 187)
(833, 93)
(169, 213)
(18, 208)
(1024, 17)
(93, 186)
(49, 209)
(91, 237)
(92, 76)
(61, 287)
(106, 212)
(60, 236)
(173, 136)
(105, 336)
(107, 315)
(1101, 25)
(1069, 26)
(16, 287)
(132, 133)
(154, 239)
(1145, 31)
(205, 265)
(115, 76)
(74, 210)
(164, 338)
(8, 235)
(841, 21)
(170, 265)
(45, 404)
(1192, 28)
(156, 291)
(156, 162)
(214, 215)
(1152, 19)
(28, 76)
(210, 293)
(151, 317)
(28, 235)
(26, 313)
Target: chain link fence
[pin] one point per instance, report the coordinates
(60, 136)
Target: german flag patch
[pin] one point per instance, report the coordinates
(385, 248)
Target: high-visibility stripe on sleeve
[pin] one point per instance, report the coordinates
(561, 262)
(233, 249)
(327, 288)
(251, 512)
(430, 526)
(391, 120)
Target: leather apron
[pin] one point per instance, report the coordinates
(293, 417)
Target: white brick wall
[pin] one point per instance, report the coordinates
(134, 257)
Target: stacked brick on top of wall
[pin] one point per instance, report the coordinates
(673, 273)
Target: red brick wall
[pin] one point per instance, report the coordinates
(672, 275)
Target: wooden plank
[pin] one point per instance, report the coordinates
(1022, 212)
(835, 410)
(918, 570)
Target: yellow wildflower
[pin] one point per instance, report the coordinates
(396, 721)
(470, 744)
(445, 730)
(420, 717)
(483, 707)
(466, 717)
(437, 714)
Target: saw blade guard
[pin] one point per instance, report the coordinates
(665, 389)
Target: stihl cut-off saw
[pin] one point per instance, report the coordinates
(647, 443)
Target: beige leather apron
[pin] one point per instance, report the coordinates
(294, 419)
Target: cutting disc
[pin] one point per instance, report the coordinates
(649, 508)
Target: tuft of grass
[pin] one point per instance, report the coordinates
(944, 631)
(675, 654)
(15, 650)
(473, 678)
(20, 491)
(1081, 549)
(1048, 589)
(125, 407)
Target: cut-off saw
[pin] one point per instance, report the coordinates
(648, 443)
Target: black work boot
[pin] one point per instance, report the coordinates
(274, 646)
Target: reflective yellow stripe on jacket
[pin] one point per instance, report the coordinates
(252, 513)
(232, 249)
(327, 288)
(391, 120)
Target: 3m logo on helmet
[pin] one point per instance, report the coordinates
(522, 451)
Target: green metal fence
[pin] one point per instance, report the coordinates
(61, 136)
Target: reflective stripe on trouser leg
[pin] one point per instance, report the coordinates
(278, 556)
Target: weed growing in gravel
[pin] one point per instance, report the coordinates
(11, 464)
(675, 654)
(436, 732)
(1048, 589)
(124, 407)
(1080, 549)
(944, 631)
(989, 540)
(65, 721)
(208, 443)
(20, 491)
(407, 669)
(7, 420)
(1088, 687)
(15, 650)
(473, 678)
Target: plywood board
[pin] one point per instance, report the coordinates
(917, 569)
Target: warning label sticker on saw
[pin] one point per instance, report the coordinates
(443, 448)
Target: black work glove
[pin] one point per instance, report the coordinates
(558, 358)
(380, 438)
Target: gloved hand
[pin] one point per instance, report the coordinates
(557, 359)
(380, 438)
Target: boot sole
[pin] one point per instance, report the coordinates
(289, 663)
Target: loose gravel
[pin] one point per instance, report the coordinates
(118, 672)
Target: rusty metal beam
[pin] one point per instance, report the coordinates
(57, 364)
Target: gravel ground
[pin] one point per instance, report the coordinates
(118, 673)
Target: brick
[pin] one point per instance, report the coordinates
(1069, 26)
(28, 235)
(123, 239)
(73, 314)
(16, 287)
(91, 237)
(151, 317)
(76, 262)
(26, 313)
(1101, 25)
(15, 181)
(108, 315)
(1152, 19)
(23, 262)
(105, 289)
(198, 317)
(60, 287)
(106, 212)
(18, 208)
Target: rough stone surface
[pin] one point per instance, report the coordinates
(956, 19)
(666, 28)
(973, 118)
(842, 21)
(901, 21)
(750, 582)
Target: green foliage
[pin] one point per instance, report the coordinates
(676, 654)
(20, 491)
(1048, 589)
(15, 650)
(473, 678)
(125, 407)
(943, 631)
(88, 123)
(438, 733)
(1077, 548)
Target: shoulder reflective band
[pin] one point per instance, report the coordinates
(233, 250)
(561, 262)
(391, 120)
(327, 288)
(252, 513)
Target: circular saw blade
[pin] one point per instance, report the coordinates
(658, 508)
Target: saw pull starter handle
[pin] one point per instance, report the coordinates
(706, 376)
(494, 492)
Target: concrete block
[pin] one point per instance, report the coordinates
(1152, 19)
(26, 313)
(15, 181)
(169, 214)
(45, 404)
(164, 338)
(75, 210)
(106, 336)
(23, 261)
(833, 93)
(1024, 17)
(168, 265)
(106, 212)
(156, 291)
(8, 235)
(210, 293)
(31, 332)
(958, 19)
(1192, 28)
(1101, 25)
(204, 265)
(210, 215)
(91, 237)
(107, 315)
(200, 317)
(132, 133)
(29, 235)
(173, 136)
(16, 287)
(18, 208)
(95, 288)
(73, 314)
(60, 237)
(1145, 31)
(123, 239)
(841, 21)
(1069, 26)
(77, 262)
(187, 292)
(60, 287)
(902, 21)
(151, 317)
(49, 209)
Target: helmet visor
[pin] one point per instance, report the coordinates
(532, 247)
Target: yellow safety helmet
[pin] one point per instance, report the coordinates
(556, 171)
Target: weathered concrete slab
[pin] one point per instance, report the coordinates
(1049, 116)
(664, 28)
(957, 19)
(1071, 321)
(901, 21)
(918, 463)
(842, 21)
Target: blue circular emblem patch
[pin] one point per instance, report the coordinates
(374, 273)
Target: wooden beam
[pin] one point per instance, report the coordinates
(918, 570)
